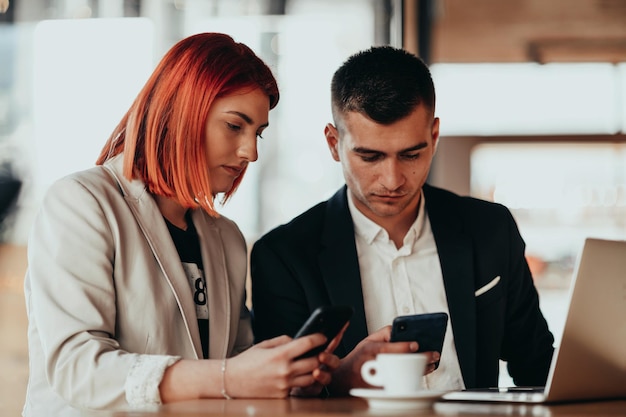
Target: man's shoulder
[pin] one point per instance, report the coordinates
(448, 208)
(310, 224)
(450, 199)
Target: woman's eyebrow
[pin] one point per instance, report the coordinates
(246, 118)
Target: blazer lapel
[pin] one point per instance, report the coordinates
(151, 222)
(455, 256)
(218, 290)
(339, 264)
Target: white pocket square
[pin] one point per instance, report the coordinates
(487, 287)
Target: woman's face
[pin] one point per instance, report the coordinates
(233, 125)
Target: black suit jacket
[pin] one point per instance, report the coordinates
(312, 261)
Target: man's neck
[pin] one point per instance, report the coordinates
(396, 226)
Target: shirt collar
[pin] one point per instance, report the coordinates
(369, 230)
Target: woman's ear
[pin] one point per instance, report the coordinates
(332, 139)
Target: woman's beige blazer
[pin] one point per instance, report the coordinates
(105, 284)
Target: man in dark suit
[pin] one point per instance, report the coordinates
(389, 244)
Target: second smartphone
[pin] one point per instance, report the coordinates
(428, 330)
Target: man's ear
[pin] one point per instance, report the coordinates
(332, 139)
(434, 132)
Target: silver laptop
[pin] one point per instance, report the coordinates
(590, 361)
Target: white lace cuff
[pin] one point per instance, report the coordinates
(144, 378)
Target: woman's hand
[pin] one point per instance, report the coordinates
(269, 369)
(323, 374)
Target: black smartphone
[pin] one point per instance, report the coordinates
(428, 330)
(328, 320)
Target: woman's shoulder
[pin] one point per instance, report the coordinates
(90, 180)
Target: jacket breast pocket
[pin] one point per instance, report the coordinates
(490, 294)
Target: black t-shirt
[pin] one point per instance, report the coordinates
(188, 247)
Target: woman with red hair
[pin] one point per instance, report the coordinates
(136, 285)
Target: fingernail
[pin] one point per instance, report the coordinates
(413, 346)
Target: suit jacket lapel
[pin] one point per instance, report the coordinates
(455, 256)
(339, 264)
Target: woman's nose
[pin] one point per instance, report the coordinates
(248, 149)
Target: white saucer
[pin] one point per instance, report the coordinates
(379, 398)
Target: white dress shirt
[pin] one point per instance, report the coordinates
(408, 280)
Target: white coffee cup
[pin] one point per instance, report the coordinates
(396, 373)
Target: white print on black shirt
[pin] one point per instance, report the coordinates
(198, 289)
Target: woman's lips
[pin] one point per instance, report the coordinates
(234, 170)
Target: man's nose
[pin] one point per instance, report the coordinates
(391, 175)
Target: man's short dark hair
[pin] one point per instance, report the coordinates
(384, 83)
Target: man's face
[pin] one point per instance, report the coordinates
(385, 166)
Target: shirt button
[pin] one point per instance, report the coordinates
(405, 310)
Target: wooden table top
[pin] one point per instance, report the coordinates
(338, 407)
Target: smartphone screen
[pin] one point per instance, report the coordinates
(328, 320)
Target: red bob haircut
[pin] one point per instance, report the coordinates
(162, 135)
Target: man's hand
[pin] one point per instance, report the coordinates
(348, 374)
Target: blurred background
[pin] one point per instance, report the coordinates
(531, 96)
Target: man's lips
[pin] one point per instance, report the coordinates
(388, 196)
(388, 199)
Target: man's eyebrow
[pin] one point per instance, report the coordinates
(245, 117)
(365, 150)
(417, 147)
